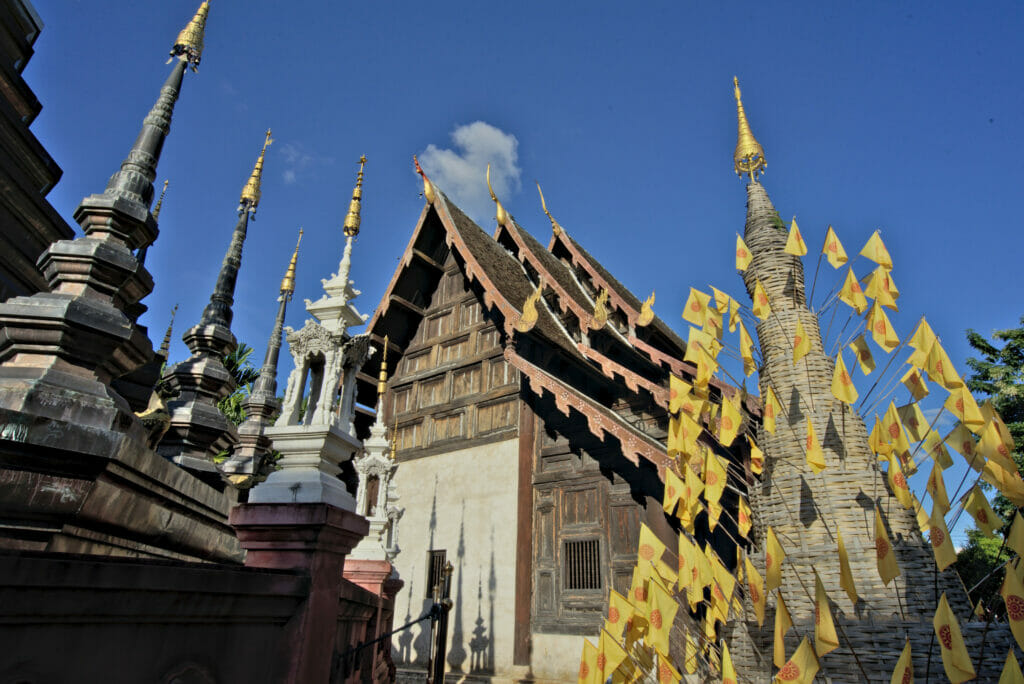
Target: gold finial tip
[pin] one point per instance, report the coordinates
(251, 191)
(189, 44)
(749, 155)
(288, 282)
(352, 219)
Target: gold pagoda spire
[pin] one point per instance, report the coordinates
(501, 215)
(382, 378)
(555, 227)
(189, 45)
(160, 202)
(288, 282)
(250, 198)
(749, 155)
(354, 207)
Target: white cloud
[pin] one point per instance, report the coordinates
(460, 172)
(289, 176)
(297, 159)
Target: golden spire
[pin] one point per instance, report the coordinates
(352, 218)
(428, 187)
(189, 45)
(555, 228)
(251, 192)
(382, 378)
(288, 282)
(160, 202)
(394, 440)
(501, 215)
(749, 155)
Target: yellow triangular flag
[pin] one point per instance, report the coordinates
(667, 674)
(913, 381)
(677, 389)
(728, 671)
(940, 368)
(865, 358)
(955, 659)
(904, 670)
(761, 308)
(743, 255)
(886, 556)
(1015, 539)
(815, 455)
(845, 573)
(913, 421)
(961, 439)
(690, 654)
(936, 488)
(610, 655)
(650, 547)
(842, 383)
(687, 562)
(898, 482)
(825, 638)
(921, 342)
(987, 520)
(881, 329)
(588, 663)
(994, 448)
(795, 241)
(801, 342)
(1011, 670)
(876, 251)
(660, 617)
(771, 410)
(853, 294)
(938, 535)
(882, 289)
(833, 249)
(729, 423)
(933, 445)
(965, 409)
(782, 624)
(696, 307)
(755, 590)
(714, 478)
(620, 612)
(756, 457)
(773, 558)
(747, 350)
(743, 521)
(801, 668)
(674, 488)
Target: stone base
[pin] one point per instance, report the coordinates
(377, 576)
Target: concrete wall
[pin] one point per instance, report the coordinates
(465, 503)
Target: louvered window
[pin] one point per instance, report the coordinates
(582, 564)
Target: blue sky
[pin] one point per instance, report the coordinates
(902, 117)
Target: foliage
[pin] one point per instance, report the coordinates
(244, 373)
(998, 375)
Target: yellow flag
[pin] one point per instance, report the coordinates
(898, 482)
(714, 478)
(895, 434)
(690, 507)
(1009, 484)
(833, 249)
(650, 547)
(994, 448)
(755, 590)
(938, 535)
(794, 241)
(933, 445)
(963, 406)
(773, 559)
(771, 410)
(666, 574)
(923, 523)
(662, 613)
(921, 342)
(845, 573)
(913, 421)
(723, 588)
(1015, 539)
(620, 612)
(734, 314)
(730, 422)
(904, 671)
(756, 457)
(961, 439)
(842, 383)
(825, 638)
(667, 674)
(747, 350)
(853, 294)
(728, 671)
(743, 255)
(588, 663)
(955, 658)
(801, 342)
(802, 667)
(886, 556)
(674, 488)
(690, 654)
(610, 655)
(913, 381)
(701, 340)
(876, 251)
(687, 562)
(864, 356)
(761, 308)
(677, 389)
(936, 488)
(940, 368)
(743, 521)
(696, 307)
(882, 289)
(701, 579)
(881, 329)
(987, 520)
(990, 414)
(713, 323)
(815, 456)
(877, 440)
(683, 432)
(782, 624)
(1011, 670)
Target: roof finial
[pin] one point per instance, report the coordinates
(251, 192)
(288, 282)
(428, 187)
(352, 218)
(501, 215)
(382, 378)
(160, 202)
(555, 228)
(189, 45)
(749, 155)
(165, 346)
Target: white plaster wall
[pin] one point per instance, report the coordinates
(556, 657)
(466, 500)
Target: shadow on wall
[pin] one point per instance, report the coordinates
(482, 645)
(457, 648)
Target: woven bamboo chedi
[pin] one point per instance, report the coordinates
(807, 510)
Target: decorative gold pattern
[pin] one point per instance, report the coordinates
(355, 206)
(600, 317)
(382, 378)
(500, 214)
(189, 45)
(749, 155)
(555, 227)
(160, 202)
(529, 318)
(428, 187)
(646, 312)
(288, 282)
(251, 192)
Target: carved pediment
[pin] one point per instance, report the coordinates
(311, 338)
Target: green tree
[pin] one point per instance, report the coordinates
(997, 375)
(244, 373)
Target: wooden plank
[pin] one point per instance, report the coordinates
(524, 536)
